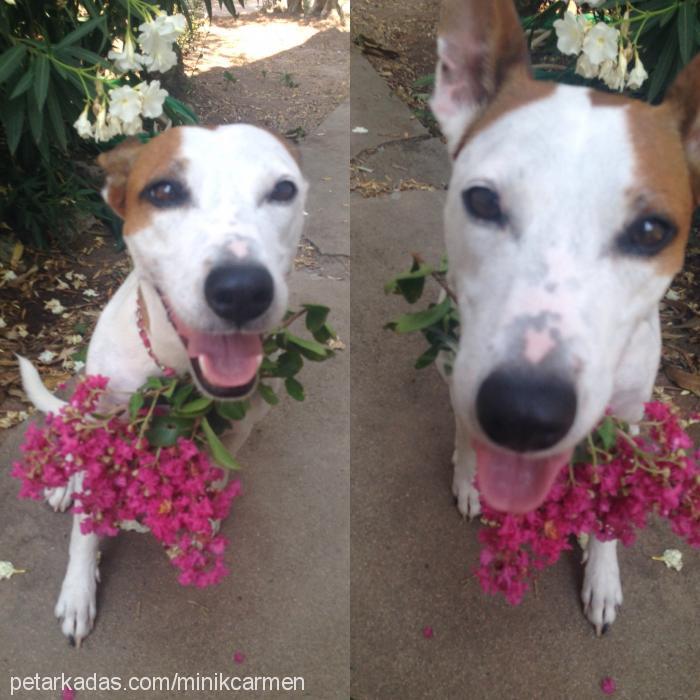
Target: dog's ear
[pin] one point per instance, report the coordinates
(117, 165)
(480, 42)
(684, 99)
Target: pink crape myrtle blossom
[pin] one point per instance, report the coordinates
(171, 490)
(611, 498)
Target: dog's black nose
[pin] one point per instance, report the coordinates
(525, 411)
(239, 292)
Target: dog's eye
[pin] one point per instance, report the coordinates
(484, 204)
(647, 236)
(283, 191)
(166, 193)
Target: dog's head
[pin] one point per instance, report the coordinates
(567, 216)
(212, 218)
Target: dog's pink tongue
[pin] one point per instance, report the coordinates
(226, 360)
(512, 483)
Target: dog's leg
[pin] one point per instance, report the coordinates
(602, 591)
(61, 497)
(464, 461)
(76, 607)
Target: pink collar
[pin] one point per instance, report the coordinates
(143, 334)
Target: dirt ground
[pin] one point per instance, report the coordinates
(281, 73)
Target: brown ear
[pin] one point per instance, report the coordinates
(117, 165)
(684, 99)
(480, 43)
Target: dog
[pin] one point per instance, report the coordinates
(212, 219)
(567, 216)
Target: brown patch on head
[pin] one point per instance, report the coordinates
(158, 158)
(519, 91)
(661, 178)
(117, 164)
(291, 147)
(683, 99)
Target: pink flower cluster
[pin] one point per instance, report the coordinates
(171, 490)
(610, 498)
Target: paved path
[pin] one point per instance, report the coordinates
(412, 553)
(285, 604)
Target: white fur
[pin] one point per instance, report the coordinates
(229, 172)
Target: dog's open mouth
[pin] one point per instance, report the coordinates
(225, 365)
(512, 482)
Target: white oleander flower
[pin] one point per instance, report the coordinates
(637, 75)
(153, 97)
(83, 125)
(585, 68)
(133, 127)
(156, 39)
(600, 44)
(614, 75)
(570, 33)
(124, 103)
(127, 59)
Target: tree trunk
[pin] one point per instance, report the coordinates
(325, 7)
(295, 7)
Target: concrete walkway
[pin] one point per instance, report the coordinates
(285, 604)
(411, 552)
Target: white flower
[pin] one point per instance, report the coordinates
(78, 366)
(672, 558)
(153, 97)
(89, 293)
(600, 44)
(569, 34)
(7, 570)
(613, 74)
(47, 356)
(133, 127)
(73, 339)
(637, 75)
(83, 126)
(54, 306)
(124, 103)
(127, 59)
(156, 39)
(8, 276)
(585, 68)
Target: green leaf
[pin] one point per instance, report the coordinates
(218, 451)
(89, 57)
(687, 19)
(56, 118)
(662, 69)
(197, 406)
(294, 388)
(85, 28)
(324, 334)
(288, 364)
(268, 394)
(428, 357)
(35, 118)
(172, 385)
(232, 410)
(12, 115)
(135, 405)
(42, 68)
(154, 383)
(11, 60)
(315, 316)
(421, 319)
(165, 430)
(310, 349)
(182, 394)
(24, 83)
(607, 433)
(178, 111)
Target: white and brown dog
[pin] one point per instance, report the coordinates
(212, 219)
(567, 216)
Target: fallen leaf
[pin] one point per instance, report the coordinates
(683, 379)
(7, 570)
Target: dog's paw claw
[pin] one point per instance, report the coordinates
(60, 498)
(466, 498)
(602, 597)
(76, 609)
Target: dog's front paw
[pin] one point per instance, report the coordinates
(61, 497)
(602, 591)
(466, 495)
(76, 607)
